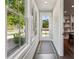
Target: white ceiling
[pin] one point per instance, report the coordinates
(45, 5)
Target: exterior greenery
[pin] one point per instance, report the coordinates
(45, 24)
(15, 19)
(17, 5)
(18, 39)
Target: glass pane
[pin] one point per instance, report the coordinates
(15, 26)
(22, 30)
(45, 26)
(21, 6)
(45, 22)
(6, 2)
(16, 5)
(13, 4)
(12, 33)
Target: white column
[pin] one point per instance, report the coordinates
(61, 27)
(28, 18)
(51, 26)
(26, 22)
(38, 25)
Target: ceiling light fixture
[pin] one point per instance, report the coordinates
(45, 2)
(72, 5)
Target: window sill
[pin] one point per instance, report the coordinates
(19, 51)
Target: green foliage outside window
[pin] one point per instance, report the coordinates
(15, 23)
(14, 20)
(18, 39)
(16, 5)
(45, 24)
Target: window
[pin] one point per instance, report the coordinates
(15, 25)
(45, 22)
(35, 23)
(34, 20)
(45, 26)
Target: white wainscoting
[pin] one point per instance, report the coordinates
(27, 52)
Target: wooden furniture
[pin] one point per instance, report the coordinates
(67, 27)
(71, 39)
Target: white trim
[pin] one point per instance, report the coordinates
(31, 51)
(18, 51)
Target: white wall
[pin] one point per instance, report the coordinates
(31, 4)
(30, 53)
(38, 19)
(33, 39)
(58, 20)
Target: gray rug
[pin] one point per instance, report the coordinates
(45, 50)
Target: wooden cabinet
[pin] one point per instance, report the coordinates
(68, 30)
(67, 27)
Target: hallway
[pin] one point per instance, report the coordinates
(36, 29)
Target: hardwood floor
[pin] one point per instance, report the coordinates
(67, 56)
(68, 53)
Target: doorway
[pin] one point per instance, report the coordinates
(69, 28)
(45, 27)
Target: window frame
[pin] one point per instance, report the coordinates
(26, 27)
